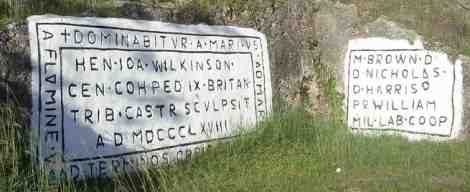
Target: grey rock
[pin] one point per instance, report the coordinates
(303, 37)
(15, 64)
(137, 10)
(466, 96)
(336, 24)
(384, 28)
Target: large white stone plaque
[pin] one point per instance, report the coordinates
(113, 94)
(393, 86)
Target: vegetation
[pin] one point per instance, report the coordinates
(291, 151)
(466, 52)
(446, 21)
(18, 10)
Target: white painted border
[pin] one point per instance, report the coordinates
(389, 44)
(137, 25)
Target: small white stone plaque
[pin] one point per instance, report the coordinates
(112, 94)
(393, 86)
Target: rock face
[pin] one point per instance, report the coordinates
(203, 88)
(398, 87)
(388, 29)
(336, 25)
(466, 90)
(308, 41)
(15, 65)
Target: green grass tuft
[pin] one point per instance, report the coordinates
(295, 152)
(290, 151)
(466, 52)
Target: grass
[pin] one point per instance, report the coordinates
(466, 52)
(10, 151)
(291, 151)
(18, 10)
(295, 152)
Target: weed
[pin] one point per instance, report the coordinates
(466, 52)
